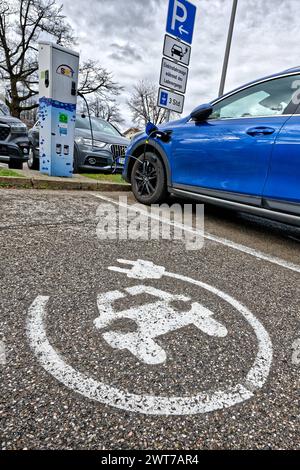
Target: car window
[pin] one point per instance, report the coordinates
(99, 125)
(271, 98)
(4, 110)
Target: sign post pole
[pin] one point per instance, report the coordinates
(228, 47)
(168, 113)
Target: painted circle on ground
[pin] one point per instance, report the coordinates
(203, 402)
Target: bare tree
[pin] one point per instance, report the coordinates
(143, 104)
(21, 23)
(95, 79)
(30, 116)
(106, 109)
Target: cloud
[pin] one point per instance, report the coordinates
(125, 53)
(126, 36)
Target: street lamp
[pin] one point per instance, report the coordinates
(228, 47)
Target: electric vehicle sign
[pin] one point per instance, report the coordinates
(181, 20)
(173, 75)
(147, 343)
(170, 100)
(177, 50)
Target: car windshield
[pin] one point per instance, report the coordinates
(99, 125)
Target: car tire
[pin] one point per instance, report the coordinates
(33, 162)
(148, 179)
(15, 165)
(75, 161)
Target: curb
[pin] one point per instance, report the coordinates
(55, 184)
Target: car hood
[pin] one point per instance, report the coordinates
(177, 122)
(107, 138)
(9, 120)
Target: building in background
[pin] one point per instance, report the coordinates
(131, 132)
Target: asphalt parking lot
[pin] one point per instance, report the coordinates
(213, 365)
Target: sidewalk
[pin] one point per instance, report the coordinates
(32, 179)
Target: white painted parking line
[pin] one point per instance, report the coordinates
(223, 241)
(204, 401)
(2, 353)
(296, 353)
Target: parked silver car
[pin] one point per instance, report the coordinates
(14, 143)
(107, 150)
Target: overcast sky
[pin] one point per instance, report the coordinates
(126, 36)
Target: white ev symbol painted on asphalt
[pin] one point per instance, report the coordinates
(202, 401)
(153, 320)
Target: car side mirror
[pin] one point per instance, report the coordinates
(202, 112)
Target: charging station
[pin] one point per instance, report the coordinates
(58, 82)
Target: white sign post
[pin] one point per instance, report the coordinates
(173, 75)
(177, 50)
(170, 100)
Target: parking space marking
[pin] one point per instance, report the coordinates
(223, 241)
(296, 353)
(2, 353)
(203, 402)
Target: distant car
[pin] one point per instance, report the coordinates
(107, 150)
(14, 143)
(241, 151)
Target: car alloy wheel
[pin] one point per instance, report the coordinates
(148, 179)
(33, 162)
(30, 157)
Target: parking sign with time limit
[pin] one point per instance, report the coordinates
(170, 100)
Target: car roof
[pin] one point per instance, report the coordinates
(293, 70)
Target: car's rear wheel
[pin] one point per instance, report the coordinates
(148, 179)
(33, 162)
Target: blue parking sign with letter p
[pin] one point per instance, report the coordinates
(181, 20)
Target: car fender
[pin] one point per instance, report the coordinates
(144, 145)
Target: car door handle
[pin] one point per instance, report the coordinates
(260, 131)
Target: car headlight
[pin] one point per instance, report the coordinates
(90, 143)
(18, 128)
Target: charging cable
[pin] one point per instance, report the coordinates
(89, 115)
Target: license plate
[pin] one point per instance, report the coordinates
(122, 161)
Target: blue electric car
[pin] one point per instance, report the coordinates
(241, 151)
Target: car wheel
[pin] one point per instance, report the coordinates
(75, 161)
(148, 179)
(15, 165)
(33, 162)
